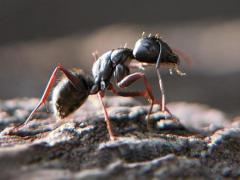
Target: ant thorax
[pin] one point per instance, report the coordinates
(111, 65)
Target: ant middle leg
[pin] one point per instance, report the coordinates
(128, 80)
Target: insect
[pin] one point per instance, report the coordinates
(72, 91)
(111, 68)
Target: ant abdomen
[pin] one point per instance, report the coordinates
(66, 98)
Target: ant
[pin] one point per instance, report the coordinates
(111, 68)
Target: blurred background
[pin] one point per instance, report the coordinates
(37, 35)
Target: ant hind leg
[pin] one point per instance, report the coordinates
(45, 95)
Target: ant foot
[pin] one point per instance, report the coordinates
(113, 138)
(166, 114)
(9, 131)
(175, 119)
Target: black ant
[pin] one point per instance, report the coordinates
(112, 67)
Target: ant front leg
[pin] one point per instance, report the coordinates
(51, 81)
(163, 97)
(163, 101)
(128, 80)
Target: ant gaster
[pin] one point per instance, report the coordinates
(109, 69)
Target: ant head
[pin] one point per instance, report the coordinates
(147, 49)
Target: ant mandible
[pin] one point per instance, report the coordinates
(74, 88)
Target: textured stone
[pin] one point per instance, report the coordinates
(201, 144)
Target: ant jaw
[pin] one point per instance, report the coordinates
(178, 71)
(175, 67)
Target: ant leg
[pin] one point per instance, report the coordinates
(160, 79)
(106, 116)
(128, 80)
(51, 81)
(166, 108)
(135, 94)
(163, 99)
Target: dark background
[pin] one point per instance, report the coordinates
(36, 35)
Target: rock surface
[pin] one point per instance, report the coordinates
(203, 144)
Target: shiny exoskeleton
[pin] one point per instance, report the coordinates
(67, 97)
(147, 50)
(112, 64)
(109, 70)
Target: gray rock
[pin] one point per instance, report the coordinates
(200, 144)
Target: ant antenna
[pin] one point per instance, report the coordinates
(150, 35)
(125, 45)
(143, 33)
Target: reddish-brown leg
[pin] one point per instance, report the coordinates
(162, 102)
(135, 94)
(163, 98)
(166, 108)
(45, 95)
(128, 80)
(106, 116)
